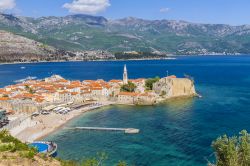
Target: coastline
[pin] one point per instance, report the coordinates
(100, 60)
(47, 124)
(171, 57)
(36, 133)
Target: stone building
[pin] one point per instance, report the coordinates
(174, 87)
(136, 98)
(127, 97)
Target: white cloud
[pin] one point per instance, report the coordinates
(164, 10)
(87, 6)
(7, 4)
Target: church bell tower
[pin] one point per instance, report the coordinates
(125, 75)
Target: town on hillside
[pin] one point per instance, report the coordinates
(58, 94)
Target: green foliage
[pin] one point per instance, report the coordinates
(11, 144)
(81, 34)
(29, 89)
(138, 55)
(232, 151)
(163, 93)
(68, 163)
(90, 162)
(130, 87)
(122, 163)
(149, 82)
(43, 156)
(96, 161)
(6, 147)
(28, 154)
(4, 157)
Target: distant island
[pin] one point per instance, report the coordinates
(54, 97)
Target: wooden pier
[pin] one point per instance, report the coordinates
(126, 130)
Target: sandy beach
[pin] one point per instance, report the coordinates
(46, 124)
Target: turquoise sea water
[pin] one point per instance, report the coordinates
(178, 132)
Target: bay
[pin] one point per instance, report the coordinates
(178, 132)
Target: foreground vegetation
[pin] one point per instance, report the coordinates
(14, 152)
(11, 144)
(232, 151)
(229, 151)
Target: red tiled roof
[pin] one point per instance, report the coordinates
(4, 98)
(128, 94)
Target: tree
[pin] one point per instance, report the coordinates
(130, 87)
(149, 82)
(232, 151)
(122, 163)
(29, 89)
(96, 161)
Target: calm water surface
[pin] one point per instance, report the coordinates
(178, 132)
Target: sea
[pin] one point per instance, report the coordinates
(178, 132)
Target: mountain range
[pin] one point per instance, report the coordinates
(85, 32)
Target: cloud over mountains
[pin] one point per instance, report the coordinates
(7, 4)
(87, 6)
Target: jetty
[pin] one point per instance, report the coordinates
(126, 130)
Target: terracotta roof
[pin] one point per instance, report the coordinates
(115, 81)
(129, 94)
(62, 80)
(63, 92)
(172, 76)
(86, 92)
(96, 88)
(4, 98)
(89, 81)
(74, 93)
(39, 100)
(137, 80)
(145, 94)
(28, 95)
(2, 91)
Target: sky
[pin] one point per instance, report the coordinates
(234, 12)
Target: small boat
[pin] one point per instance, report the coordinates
(23, 67)
(48, 148)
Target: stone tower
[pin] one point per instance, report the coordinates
(125, 75)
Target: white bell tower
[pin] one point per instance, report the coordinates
(125, 75)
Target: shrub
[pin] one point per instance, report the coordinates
(4, 157)
(149, 82)
(122, 163)
(67, 162)
(28, 154)
(6, 147)
(232, 151)
(130, 87)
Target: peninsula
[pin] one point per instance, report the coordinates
(29, 109)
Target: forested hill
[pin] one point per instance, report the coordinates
(84, 32)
